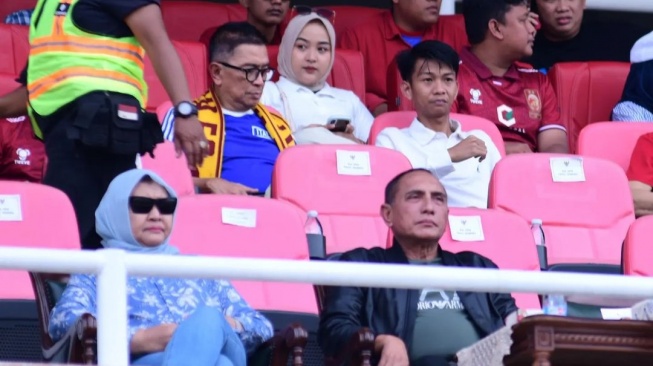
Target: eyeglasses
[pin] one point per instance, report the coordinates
(325, 13)
(144, 205)
(252, 73)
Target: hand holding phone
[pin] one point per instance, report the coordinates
(338, 124)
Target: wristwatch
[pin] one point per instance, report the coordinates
(185, 109)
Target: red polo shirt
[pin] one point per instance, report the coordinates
(379, 40)
(522, 103)
(22, 155)
(641, 162)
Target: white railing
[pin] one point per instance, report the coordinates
(112, 267)
(646, 6)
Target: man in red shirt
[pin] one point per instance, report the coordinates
(493, 85)
(640, 175)
(22, 154)
(381, 37)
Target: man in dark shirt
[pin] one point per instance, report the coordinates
(566, 37)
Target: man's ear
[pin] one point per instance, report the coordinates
(386, 214)
(215, 71)
(495, 29)
(406, 90)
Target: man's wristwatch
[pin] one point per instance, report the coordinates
(185, 109)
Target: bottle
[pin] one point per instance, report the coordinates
(315, 236)
(540, 243)
(555, 305)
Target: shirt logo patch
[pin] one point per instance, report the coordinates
(476, 96)
(260, 133)
(23, 154)
(16, 119)
(534, 103)
(506, 115)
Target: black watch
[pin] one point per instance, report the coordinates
(185, 110)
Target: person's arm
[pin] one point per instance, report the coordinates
(640, 175)
(553, 140)
(362, 120)
(642, 198)
(78, 298)
(147, 25)
(150, 340)
(252, 327)
(14, 104)
(436, 159)
(552, 136)
(222, 186)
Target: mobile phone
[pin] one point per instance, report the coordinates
(339, 124)
(259, 193)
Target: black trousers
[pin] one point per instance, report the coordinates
(82, 173)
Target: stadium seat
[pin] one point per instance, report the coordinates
(587, 92)
(583, 221)
(347, 204)
(172, 169)
(15, 39)
(613, 141)
(403, 119)
(9, 6)
(348, 16)
(397, 102)
(347, 72)
(187, 20)
(638, 252)
(194, 60)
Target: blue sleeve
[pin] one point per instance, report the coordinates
(78, 298)
(256, 327)
(168, 125)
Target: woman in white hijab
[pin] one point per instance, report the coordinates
(303, 96)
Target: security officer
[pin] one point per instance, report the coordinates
(87, 92)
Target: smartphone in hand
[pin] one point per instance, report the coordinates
(338, 124)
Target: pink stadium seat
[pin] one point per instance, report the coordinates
(48, 221)
(583, 222)
(348, 205)
(613, 141)
(348, 16)
(403, 119)
(172, 169)
(638, 252)
(194, 61)
(347, 72)
(187, 20)
(9, 6)
(14, 39)
(200, 228)
(587, 92)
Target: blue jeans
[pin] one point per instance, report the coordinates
(204, 339)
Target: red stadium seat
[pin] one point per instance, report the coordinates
(15, 39)
(587, 92)
(187, 20)
(405, 118)
(203, 227)
(172, 169)
(193, 58)
(9, 6)
(638, 252)
(347, 72)
(348, 16)
(613, 141)
(47, 221)
(348, 205)
(583, 221)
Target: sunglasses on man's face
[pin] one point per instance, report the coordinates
(144, 205)
(325, 13)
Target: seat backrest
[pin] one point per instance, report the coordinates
(253, 227)
(9, 6)
(172, 169)
(613, 141)
(403, 119)
(347, 72)
(187, 20)
(348, 16)
(583, 221)
(194, 60)
(15, 41)
(397, 102)
(508, 242)
(638, 251)
(43, 217)
(347, 205)
(587, 92)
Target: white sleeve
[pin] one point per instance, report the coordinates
(362, 120)
(271, 97)
(434, 158)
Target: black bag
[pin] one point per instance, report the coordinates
(115, 123)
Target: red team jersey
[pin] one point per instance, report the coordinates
(522, 103)
(22, 155)
(641, 162)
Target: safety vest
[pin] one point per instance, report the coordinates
(66, 62)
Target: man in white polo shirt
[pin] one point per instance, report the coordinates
(462, 160)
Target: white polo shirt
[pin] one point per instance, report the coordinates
(466, 182)
(301, 107)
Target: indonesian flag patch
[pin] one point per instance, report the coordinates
(128, 112)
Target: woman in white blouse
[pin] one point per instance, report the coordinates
(303, 96)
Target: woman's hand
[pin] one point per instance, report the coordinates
(154, 339)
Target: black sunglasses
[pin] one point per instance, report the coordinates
(143, 205)
(252, 73)
(325, 13)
